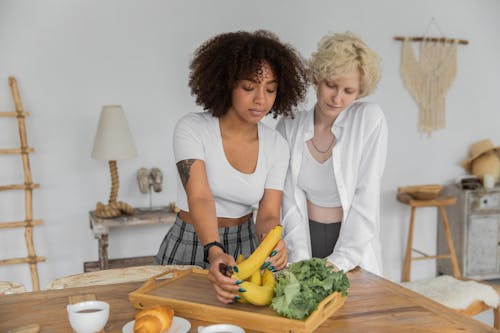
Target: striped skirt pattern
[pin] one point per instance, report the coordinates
(181, 245)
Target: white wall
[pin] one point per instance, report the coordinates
(72, 57)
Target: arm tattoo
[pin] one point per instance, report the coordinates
(184, 168)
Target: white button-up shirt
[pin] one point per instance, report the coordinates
(358, 159)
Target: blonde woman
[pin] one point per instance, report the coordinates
(338, 151)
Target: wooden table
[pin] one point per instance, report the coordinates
(101, 226)
(373, 305)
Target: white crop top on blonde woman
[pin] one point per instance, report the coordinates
(197, 136)
(318, 181)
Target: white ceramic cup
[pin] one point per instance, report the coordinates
(220, 328)
(88, 316)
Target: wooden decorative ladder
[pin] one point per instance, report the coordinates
(32, 259)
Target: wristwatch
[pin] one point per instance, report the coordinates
(208, 246)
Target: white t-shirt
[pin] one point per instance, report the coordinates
(197, 136)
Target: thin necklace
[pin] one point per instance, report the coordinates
(327, 149)
(312, 139)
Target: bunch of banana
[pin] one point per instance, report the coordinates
(259, 288)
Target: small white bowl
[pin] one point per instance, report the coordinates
(88, 316)
(220, 328)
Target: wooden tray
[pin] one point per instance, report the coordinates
(190, 294)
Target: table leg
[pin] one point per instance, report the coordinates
(451, 246)
(103, 252)
(496, 317)
(409, 245)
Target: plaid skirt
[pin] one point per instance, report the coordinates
(181, 245)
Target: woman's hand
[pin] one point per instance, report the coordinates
(225, 287)
(278, 258)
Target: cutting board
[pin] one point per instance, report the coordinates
(191, 295)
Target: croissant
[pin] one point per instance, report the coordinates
(154, 320)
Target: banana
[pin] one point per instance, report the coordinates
(256, 278)
(257, 295)
(260, 295)
(240, 258)
(268, 279)
(257, 258)
(259, 287)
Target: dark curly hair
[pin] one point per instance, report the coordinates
(229, 57)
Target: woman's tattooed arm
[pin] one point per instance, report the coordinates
(184, 168)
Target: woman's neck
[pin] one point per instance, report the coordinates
(321, 120)
(233, 126)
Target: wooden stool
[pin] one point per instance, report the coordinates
(440, 203)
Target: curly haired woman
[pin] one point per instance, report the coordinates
(228, 161)
(338, 151)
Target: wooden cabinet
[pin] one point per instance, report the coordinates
(101, 228)
(475, 227)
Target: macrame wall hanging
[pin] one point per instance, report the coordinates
(429, 78)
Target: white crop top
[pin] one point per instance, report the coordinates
(318, 181)
(197, 136)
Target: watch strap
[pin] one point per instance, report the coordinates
(207, 247)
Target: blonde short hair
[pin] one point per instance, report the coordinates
(340, 53)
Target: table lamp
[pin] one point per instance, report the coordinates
(113, 141)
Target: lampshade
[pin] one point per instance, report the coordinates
(113, 140)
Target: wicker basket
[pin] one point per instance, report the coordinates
(422, 192)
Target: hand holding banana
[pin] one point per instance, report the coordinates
(259, 289)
